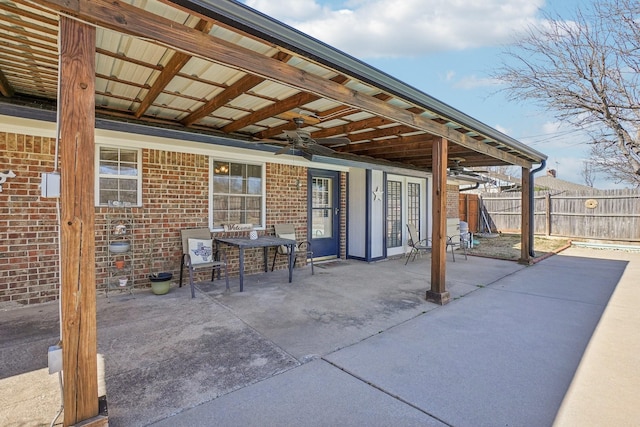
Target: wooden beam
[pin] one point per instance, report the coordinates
(236, 89)
(438, 292)
(371, 122)
(77, 240)
(174, 65)
(526, 214)
(122, 17)
(381, 133)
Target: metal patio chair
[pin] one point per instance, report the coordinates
(199, 252)
(462, 240)
(301, 249)
(416, 244)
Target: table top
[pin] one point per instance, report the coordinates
(261, 241)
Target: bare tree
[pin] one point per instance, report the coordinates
(588, 173)
(586, 71)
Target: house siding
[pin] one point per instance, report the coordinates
(175, 196)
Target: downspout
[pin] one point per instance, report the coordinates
(532, 208)
(473, 187)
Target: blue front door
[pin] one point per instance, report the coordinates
(324, 213)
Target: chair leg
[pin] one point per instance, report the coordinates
(311, 258)
(226, 275)
(181, 270)
(193, 287)
(408, 257)
(274, 260)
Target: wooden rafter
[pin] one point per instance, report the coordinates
(174, 65)
(244, 84)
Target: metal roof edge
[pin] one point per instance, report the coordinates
(234, 13)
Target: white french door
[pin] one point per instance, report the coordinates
(405, 203)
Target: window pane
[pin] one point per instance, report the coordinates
(122, 166)
(107, 153)
(235, 185)
(394, 214)
(108, 183)
(129, 156)
(220, 217)
(232, 183)
(108, 168)
(254, 185)
(253, 203)
(253, 217)
(221, 168)
(220, 203)
(129, 169)
(238, 169)
(235, 217)
(254, 171)
(220, 184)
(322, 225)
(235, 203)
(128, 196)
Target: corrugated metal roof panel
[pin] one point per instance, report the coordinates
(211, 72)
(272, 90)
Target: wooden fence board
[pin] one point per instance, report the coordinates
(604, 215)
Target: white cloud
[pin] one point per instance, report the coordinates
(502, 129)
(395, 28)
(473, 81)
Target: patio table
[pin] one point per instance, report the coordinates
(265, 242)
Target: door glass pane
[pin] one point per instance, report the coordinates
(321, 207)
(413, 202)
(394, 214)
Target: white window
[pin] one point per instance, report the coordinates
(237, 194)
(119, 176)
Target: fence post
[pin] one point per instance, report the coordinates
(548, 214)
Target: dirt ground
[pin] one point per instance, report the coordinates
(507, 246)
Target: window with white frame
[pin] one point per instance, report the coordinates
(237, 195)
(119, 176)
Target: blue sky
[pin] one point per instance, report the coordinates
(447, 49)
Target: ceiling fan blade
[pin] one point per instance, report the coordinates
(284, 149)
(333, 141)
(308, 117)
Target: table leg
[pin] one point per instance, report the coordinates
(266, 261)
(241, 269)
(291, 261)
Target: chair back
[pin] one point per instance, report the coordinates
(193, 233)
(285, 231)
(413, 234)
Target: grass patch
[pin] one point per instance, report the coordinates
(507, 246)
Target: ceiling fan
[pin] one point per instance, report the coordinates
(301, 139)
(457, 168)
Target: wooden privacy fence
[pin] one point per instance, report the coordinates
(604, 215)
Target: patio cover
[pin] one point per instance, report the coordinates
(221, 69)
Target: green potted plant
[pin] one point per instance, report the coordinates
(160, 280)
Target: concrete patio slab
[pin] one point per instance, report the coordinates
(354, 344)
(315, 394)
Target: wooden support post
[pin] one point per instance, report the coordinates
(77, 146)
(526, 218)
(438, 292)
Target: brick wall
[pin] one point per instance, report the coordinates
(175, 196)
(453, 196)
(28, 223)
